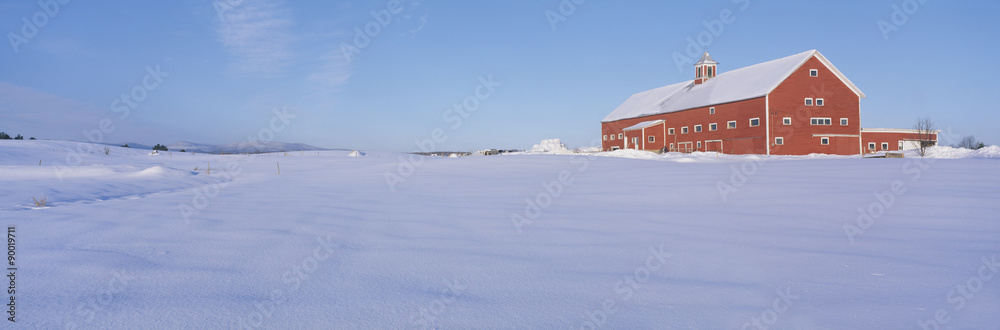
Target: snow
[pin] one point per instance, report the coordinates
(731, 86)
(644, 124)
(354, 153)
(553, 146)
(989, 152)
(513, 241)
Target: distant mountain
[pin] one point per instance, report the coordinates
(240, 147)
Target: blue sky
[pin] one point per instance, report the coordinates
(225, 66)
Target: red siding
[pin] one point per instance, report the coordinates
(892, 138)
(741, 140)
(788, 100)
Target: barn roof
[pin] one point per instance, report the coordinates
(741, 84)
(644, 124)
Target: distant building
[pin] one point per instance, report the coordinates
(895, 139)
(796, 105)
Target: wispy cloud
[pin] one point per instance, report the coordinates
(333, 72)
(258, 34)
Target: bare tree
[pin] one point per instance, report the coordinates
(968, 142)
(924, 128)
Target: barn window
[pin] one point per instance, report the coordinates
(711, 110)
(652, 139)
(813, 73)
(699, 144)
(697, 128)
(786, 120)
(670, 131)
(824, 141)
(713, 126)
(671, 147)
(885, 146)
(820, 121)
(779, 141)
(809, 101)
(621, 136)
(684, 130)
(613, 148)
(871, 146)
(819, 102)
(731, 124)
(754, 122)
(635, 142)
(605, 137)
(843, 121)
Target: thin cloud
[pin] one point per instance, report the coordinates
(258, 35)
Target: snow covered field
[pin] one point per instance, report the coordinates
(131, 240)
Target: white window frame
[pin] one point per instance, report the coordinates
(635, 141)
(731, 124)
(871, 146)
(820, 121)
(820, 102)
(779, 141)
(786, 121)
(813, 73)
(711, 110)
(843, 121)
(809, 101)
(613, 148)
(885, 145)
(751, 122)
(697, 128)
(671, 147)
(605, 137)
(612, 137)
(670, 131)
(699, 144)
(713, 127)
(621, 136)
(824, 141)
(651, 138)
(684, 130)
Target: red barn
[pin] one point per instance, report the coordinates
(796, 105)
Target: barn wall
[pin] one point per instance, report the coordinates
(892, 139)
(741, 112)
(788, 100)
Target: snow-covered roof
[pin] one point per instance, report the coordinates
(741, 84)
(644, 125)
